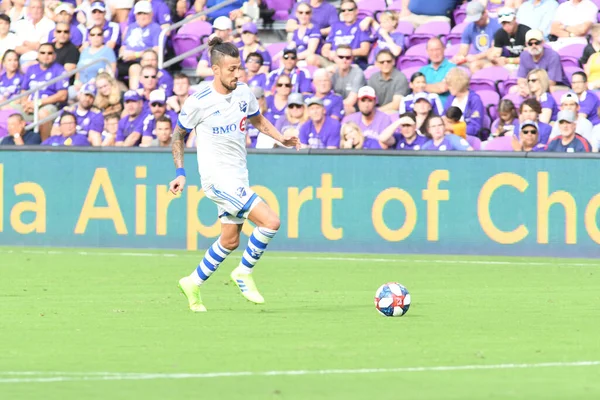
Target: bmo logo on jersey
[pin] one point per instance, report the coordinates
(223, 130)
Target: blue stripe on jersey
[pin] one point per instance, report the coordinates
(187, 130)
(246, 206)
(202, 93)
(254, 115)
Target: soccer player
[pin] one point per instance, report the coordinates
(218, 112)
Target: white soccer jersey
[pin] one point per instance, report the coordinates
(220, 122)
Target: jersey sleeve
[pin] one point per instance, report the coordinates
(191, 114)
(253, 107)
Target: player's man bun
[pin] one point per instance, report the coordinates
(219, 49)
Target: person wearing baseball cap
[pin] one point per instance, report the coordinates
(251, 44)
(131, 126)
(570, 102)
(509, 41)
(294, 116)
(222, 27)
(320, 131)
(63, 13)
(158, 108)
(536, 55)
(408, 138)
(478, 33)
(529, 138)
(568, 141)
(111, 31)
(299, 76)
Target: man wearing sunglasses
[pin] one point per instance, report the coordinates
(529, 138)
(389, 83)
(323, 16)
(569, 141)
(299, 76)
(509, 41)
(64, 13)
(347, 78)
(158, 109)
(67, 54)
(111, 30)
(536, 55)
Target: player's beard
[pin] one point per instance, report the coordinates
(228, 86)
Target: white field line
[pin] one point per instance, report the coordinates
(274, 256)
(42, 377)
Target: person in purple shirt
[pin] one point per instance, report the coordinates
(131, 126)
(440, 140)
(277, 103)
(160, 14)
(255, 78)
(568, 141)
(90, 121)
(300, 77)
(158, 109)
(64, 13)
(306, 37)
(334, 103)
(529, 138)
(369, 119)
(536, 55)
(467, 100)
(11, 78)
(141, 35)
(68, 133)
(150, 59)
(323, 15)
(530, 110)
(252, 45)
(539, 85)
(320, 131)
(407, 139)
(111, 30)
(384, 34)
(295, 114)
(588, 101)
(347, 31)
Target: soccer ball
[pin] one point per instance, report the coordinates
(392, 300)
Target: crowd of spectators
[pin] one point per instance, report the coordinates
(337, 83)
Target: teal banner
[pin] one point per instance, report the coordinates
(342, 203)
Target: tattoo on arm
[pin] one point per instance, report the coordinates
(178, 146)
(265, 126)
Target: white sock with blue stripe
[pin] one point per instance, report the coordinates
(213, 257)
(257, 243)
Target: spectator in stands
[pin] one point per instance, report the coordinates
(121, 9)
(419, 12)
(232, 10)
(295, 115)
(150, 59)
(300, 77)
(539, 84)
(529, 138)
(8, 40)
(254, 62)
(149, 82)
(111, 31)
(95, 50)
(509, 41)
(568, 141)
(435, 72)
(90, 121)
(108, 98)
(11, 78)
(164, 129)
(591, 58)
(51, 97)
(181, 90)
(158, 109)
(239, 23)
(17, 11)
(369, 119)
(422, 109)
(32, 31)
(141, 35)
(440, 139)
(63, 13)
(537, 14)
(417, 85)
(131, 125)
(570, 102)
(572, 22)
(277, 103)
(111, 127)
(320, 131)
(252, 45)
(453, 122)
(530, 110)
(67, 54)
(390, 84)
(588, 101)
(17, 135)
(334, 103)
(347, 78)
(306, 37)
(68, 133)
(351, 137)
(161, 14)
(507, 122)
(347, 31)
(468, 101)
(384, 34)
(479, 33)
(323, 16)
(222, 27)
(407, 139)
(541, 57)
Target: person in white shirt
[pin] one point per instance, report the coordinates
(8, 40)
(218, 112)
(572, 22)
(33, 31)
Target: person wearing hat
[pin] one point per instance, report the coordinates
(568, 141)
(252, 45)
(131, 126)
(572, 22)
(528, 138)
(111, 31)
(479, 33)
(67, 54)
(570, 102)
(369, 119)
(141, 35)
(64, 13)
(320, 131)
(295, 115)
(299, 76)
(158, 109)
(536, 55)
(32, 31)
(222, 27)
(509, 41)
(160, 13)
(67, 133)
(408, 138)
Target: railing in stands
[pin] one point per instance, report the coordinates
(165, 31)
(36, 91)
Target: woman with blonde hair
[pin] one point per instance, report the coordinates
(108, 96)
(468, 101)
(351, 137)
(538, 83)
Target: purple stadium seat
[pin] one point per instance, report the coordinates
(460, 13)
(371, 69)
(371, 6)
(505, 85)
(196, 28)
(486, 123)
(456, 33)
(452, 49)
(282, 8)
(428, 30)
(415, 56)
(503, 143)
(516, 98)
(406, 28)
(486, 78)
(570, 55)
(276, 51)
(570, 70)
(408, 72)
(474, 142)
(558, 94)
(4, 114)
(183, 43)
(490, 99)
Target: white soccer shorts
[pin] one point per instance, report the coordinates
(234, 201)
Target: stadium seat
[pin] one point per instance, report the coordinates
(406, 28)
(370, 7)
(570, 70)
(408, 72)
(570, 55)
(183, 43)
(504, 86)
(282, 8)
(370, 71)
(503, 143)
(516, 99)
(488, 78)
(558, 94)
(474, 142)
(395, 6)
(196, 28)
(426, 31)
(455, 35)
(415, 56)
(460, 13)
(4, 114)
(274, 50)
(490, 100)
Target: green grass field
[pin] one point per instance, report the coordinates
(103, 324)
